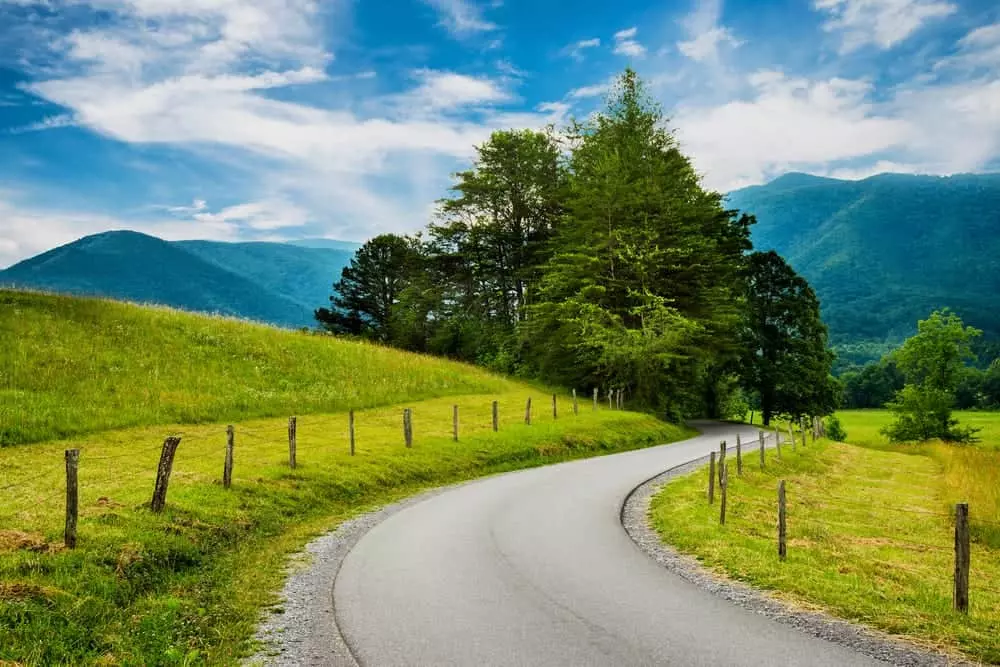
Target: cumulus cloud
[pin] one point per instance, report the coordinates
(705, 34)
(881, 23)
(627, 45)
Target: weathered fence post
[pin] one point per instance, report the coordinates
(227, 468)
(961, 597)
(711, 478)
(722, 460)
(555, 411)
(595, 398)
(777, 442)
(496, 416)
(761, 437)
(292, 439)
(739, 456)
(350, 429)
(782, 534)
(163, 473)
(723, 488)
(527, 412)
(791, 433)
(72, 497)
(408, 426)
(454, 422)
(576, 408)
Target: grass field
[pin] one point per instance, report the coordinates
(187, 586)
(70, 366)
(870, 531)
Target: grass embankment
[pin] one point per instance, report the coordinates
(71, 366)
(870, 535)
(187, 586)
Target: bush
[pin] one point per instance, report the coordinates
(834, 429)
(924, 413)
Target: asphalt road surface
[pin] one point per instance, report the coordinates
(534, 568)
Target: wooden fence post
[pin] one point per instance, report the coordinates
(72, 497)
(350, 429)
(961, 596)
(722, 460)
(227, 468)
(292, 440)
(761, 439)
(595, 398)
(739, 456)
(555, 412)
(163, 473)
(723, 488)
(576, 408)
(408, 426)
(777, 442)
(527, 412)
(711, 478)
(782, 528)
(454, 422)
(611, 405)
(496, 416)
(791, 433)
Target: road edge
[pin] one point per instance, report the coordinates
(634, 517)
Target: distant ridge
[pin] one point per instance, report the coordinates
(885, 251)
(269, 282)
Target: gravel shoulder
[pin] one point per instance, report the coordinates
(635, 520)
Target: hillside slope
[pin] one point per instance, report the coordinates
(269, 282)
(72, 365)
(886, 251)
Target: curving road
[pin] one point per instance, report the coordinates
(534, 568)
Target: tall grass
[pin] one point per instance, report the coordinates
(72, 365)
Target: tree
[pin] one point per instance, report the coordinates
(873, 386)
(641, 290)
(786, 360)
(933, 363)
(370, 287)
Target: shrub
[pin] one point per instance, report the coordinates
(834, 429)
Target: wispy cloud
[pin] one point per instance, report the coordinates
(627, 45)
(576, 49)
(461, 17)
(705, 34)
(881, 23)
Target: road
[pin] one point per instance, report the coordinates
(534, 568)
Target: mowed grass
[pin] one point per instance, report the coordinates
(870, 539)
(70, 366)
(187, 586)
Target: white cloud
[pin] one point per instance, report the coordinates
(627, 45)
(705, 34)
(978, 49)
(576, 49)
(261, 215)
(595, 90)
(882, 23)
(450, 91)
(461, 18)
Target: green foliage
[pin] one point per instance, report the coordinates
(834, 429)
(785, 361)
(873, 386)
(933, 364)
(883, 252)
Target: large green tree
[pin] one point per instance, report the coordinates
(370, 287)
(934, 364)
(641, 291)
(786, 361)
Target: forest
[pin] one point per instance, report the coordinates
(591, 257)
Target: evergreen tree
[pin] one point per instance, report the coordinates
(786, 360)
(370, 287)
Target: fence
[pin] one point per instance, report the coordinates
(154, 464)
(791, 519)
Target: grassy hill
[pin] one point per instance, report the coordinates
(188, 586)
(270, 282)
(885, 251)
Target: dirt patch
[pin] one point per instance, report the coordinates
(13, 591)
(17, 540)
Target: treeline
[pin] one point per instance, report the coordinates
(592, 257)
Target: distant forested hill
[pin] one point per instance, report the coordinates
(884, 252)
(269, 282)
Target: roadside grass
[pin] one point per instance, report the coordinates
(869, 539)
(188, 586)
(72, 365)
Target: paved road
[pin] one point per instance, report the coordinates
(534, 568)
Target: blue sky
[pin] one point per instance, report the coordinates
(278, 119)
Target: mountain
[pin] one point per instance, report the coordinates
(269, 282)
(885, 251)
(329, 244)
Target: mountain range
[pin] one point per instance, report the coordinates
(279, 283)
(886, 251)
